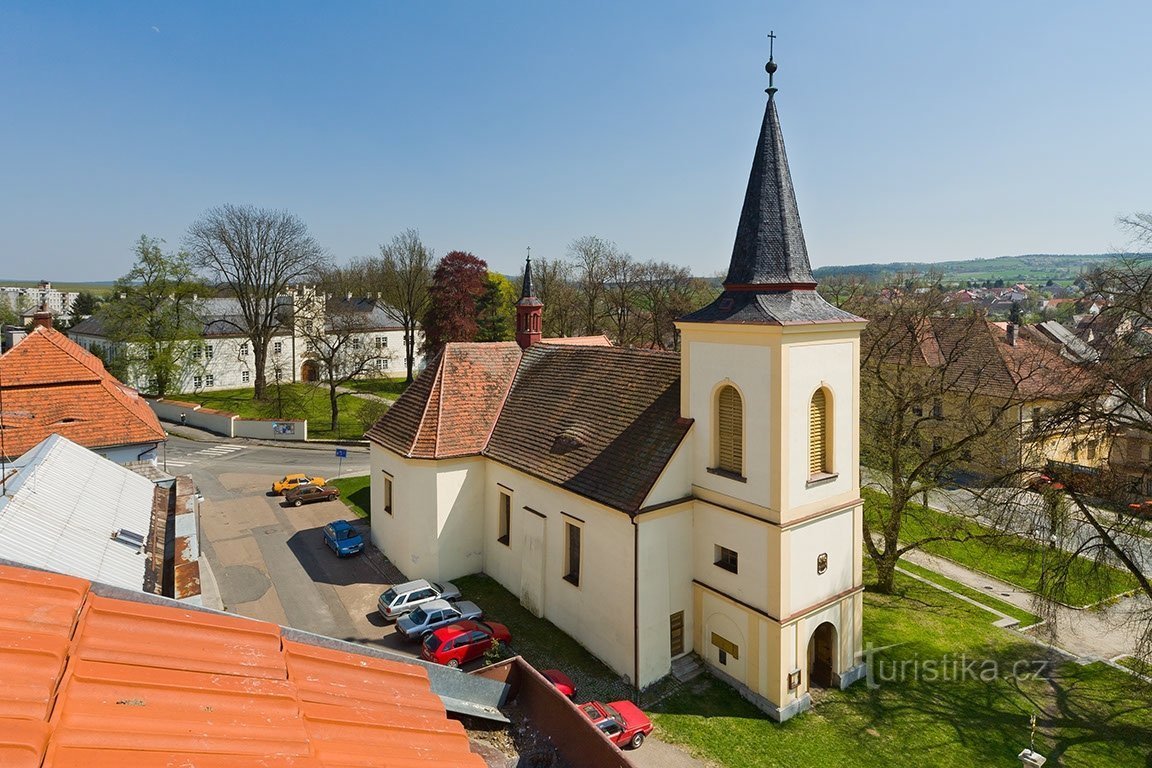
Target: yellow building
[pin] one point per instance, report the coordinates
(657, 504)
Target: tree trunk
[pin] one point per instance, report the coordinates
(334, 401)
(410, 347)
(259, 383)
(886, 572)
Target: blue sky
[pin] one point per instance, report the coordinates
(915, 131)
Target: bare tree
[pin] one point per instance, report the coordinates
(590, 256)
(621, 293)
(256, 253)
(557, 292)
(666, 292)
(402, 277)
(335, 325)
(943, 397)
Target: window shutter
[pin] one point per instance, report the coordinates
(731, 431)
(817, 434)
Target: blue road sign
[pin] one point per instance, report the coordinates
(341, 453)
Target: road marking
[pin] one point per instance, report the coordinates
(171, 463)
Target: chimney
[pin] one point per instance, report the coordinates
(1012, 334)
(42, 318)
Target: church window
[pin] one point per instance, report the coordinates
(572, 553)
(819, 455)
(728, 559)
(388, 495)
(730, 431)
(505, 533)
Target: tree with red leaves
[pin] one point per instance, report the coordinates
(459, 281)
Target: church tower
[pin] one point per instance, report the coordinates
(529, 311)
(770, 378)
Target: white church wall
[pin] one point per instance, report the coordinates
(459, 517)
(407, 535)
(757, 574)
(832, 536)
(675, 482)
(833, 365)
(598, 612)
(665, 586)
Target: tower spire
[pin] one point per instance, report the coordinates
(529, 310)
(769, 252)
(769, 278)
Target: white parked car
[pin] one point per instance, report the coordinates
(435, 614)
(399, 599)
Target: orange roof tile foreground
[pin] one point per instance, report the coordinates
(53, 385)
(93, 681)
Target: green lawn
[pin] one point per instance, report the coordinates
(356, 492)
(1088, 716)
(1025, 618)
(1136, 665)
(384, 387)
(294, 401)
(1009, 558)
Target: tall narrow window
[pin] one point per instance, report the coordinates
(572, 553)
(388, 495)
(818, 459)
(730, 431)
(505, 519)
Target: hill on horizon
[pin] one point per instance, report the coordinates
(1028, 268)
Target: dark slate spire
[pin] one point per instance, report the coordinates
(769, 253)
(769, 279)
(527, 291)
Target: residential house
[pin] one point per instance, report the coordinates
(654, 504)
(51, 385)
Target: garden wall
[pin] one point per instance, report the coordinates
(576, 740)
(225, 423)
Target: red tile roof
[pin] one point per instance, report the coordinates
(91, 681)
(598, 420)
(451, 408)
(52, 385)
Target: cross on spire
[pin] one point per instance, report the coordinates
(770, 67)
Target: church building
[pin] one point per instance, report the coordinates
(654, 504)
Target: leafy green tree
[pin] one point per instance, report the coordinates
(496, 310)
(85, 305)
(151, 318)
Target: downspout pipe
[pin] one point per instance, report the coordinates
(636, 609)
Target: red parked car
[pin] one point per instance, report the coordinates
(463, 641)
(621, 721)
(561, 681)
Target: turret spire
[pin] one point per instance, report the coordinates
(529, 310)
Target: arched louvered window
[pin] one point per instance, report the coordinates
(819, 459)
(730, 431)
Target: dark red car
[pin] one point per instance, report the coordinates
(561, 681)
(621, 721)
(463, 641)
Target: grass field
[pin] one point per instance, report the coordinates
(1093, 716)
(389, 388)
(356, 492)
(295, 401)
(1025, 618)
(1087, 716)
(1010, 558)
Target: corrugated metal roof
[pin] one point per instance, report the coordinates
(93, 681)
(62, 508)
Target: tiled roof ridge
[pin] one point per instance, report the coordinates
(437, 383)
(73, 350)
(444, 384)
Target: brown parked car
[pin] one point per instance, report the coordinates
(308, 493)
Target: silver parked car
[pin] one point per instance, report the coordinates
(433, 615)
(398, 599)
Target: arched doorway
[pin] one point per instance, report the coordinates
(309, 371)
(822, 656)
